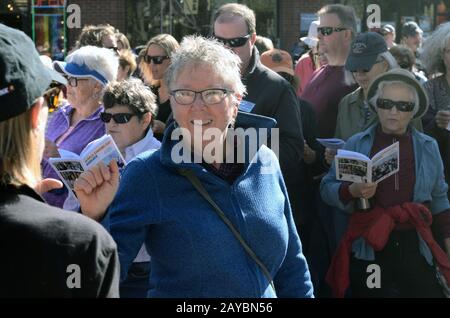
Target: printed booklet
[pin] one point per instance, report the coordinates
(70, 165)
(356, 167)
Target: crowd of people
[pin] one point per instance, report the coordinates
(200, 208)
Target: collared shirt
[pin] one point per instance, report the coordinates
(149, 142)
(85, 131)
(355, 115)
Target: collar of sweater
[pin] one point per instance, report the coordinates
(244, 121)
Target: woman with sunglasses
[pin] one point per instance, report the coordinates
(394, 232)
(88, 70)
(153, 66)
(130, 107)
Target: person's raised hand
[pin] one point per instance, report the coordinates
(96, 188)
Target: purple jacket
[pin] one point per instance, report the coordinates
(84, 132)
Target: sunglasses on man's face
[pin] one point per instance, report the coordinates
(119, 118)
(155, 59)
(384, 103)
(234, 42)
(326, 31)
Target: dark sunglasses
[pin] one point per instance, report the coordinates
(155, 59)
(325, 31)
(401, 106)
(234, 42)
(119, 118)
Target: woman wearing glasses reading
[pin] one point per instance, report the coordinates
(194, 251)
(394, 234)
(72, 127)
(153, 66)
(128, 116)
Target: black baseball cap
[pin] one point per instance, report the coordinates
(23, 77)
(364, 51)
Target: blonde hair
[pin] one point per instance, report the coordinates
(168, 43)
(19, 156)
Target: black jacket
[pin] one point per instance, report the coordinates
(274, 97)
(39, 244)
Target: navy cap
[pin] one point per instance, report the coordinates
(364, 51)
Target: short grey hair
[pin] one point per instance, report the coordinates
(346, 15)
(133, 94)
(383, 84)
(387, 56)
(195, 51)
(102, 60)
(230, 11)
(433, 49)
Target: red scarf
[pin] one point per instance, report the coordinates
(375, 227)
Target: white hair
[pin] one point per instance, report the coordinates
(101, 60)
(382, 84)
(433, 49)
(197, 50)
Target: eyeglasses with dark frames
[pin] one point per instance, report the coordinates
(402, 106)
(326, 31)
(155, 59)
(73, 81)
(209, 96)
(119, 118)
(234, 42)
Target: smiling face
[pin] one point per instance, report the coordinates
(128, 133)
(198, 117)
(392, 120)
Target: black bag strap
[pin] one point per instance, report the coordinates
(190, 175)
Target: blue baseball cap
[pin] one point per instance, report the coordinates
(79, 71)
(364, 51)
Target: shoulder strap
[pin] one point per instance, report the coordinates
(190, 175)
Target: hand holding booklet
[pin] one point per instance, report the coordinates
(331, 143)
(356, 167)
(70, 165)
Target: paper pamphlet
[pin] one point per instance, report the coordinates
(70, 165)
(356, 167)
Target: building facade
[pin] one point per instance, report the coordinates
(284, 21)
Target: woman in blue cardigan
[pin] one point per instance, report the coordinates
(393, 234)
(194, 252)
